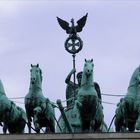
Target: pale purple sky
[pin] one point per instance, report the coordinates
(30, 34)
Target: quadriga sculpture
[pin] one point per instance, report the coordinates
(12, 116)
(87, 113)
(128, 109)
(38, 108)
(87, 102)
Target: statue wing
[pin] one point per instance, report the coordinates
(64, 24)
(81, 23)
(97, 88)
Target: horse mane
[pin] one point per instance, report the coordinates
(133, 77)
(40, 74)
(2, 91)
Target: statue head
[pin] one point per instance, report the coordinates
(79, 77)
(88, 67)
(36, 74)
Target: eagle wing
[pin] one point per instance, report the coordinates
(81, 23)
(64, 24)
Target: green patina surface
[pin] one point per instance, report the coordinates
(38, 108)
(128, 109)
(85, 114)
(13, 117)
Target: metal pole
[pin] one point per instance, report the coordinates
(74, 73)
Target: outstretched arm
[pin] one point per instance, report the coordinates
(69, 76)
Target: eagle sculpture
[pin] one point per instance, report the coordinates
(72, 30)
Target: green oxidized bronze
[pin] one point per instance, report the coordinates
(73, 45)
(84, 110)
(72, 88)
(12, 116)
(37, 106)
(128, 109)
(86, 115)
(88, 102)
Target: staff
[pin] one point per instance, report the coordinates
(73, 43)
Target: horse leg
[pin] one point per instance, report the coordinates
(92, 125)
(47, 130)
(52, 126)
(5, 127)
(85, 125)
(29, 124)
(119, 123)
(131, 127)
(117, 129)
(37, 127)
(36, 124)
(96, 124)
(21, 126)
(117, 126)
(137, 125)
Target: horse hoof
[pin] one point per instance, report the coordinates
(137, 126)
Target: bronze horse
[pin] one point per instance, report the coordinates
(12, 116)
(128, 109)
(88, 103)
(87, 113)
(38, 108)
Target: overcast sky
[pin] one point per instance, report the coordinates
(30, 34)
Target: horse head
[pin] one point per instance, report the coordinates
(138, 76)
(36, 74)
(135, 79)
(88, 67)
